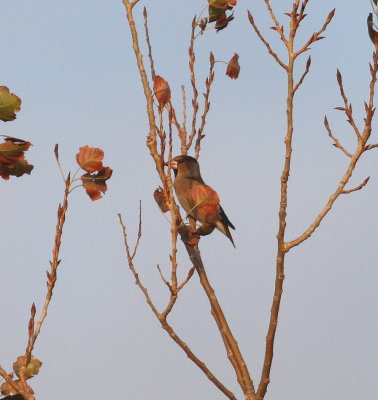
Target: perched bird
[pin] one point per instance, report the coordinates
(199, 200)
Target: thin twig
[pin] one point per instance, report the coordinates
(316, 36)
(186, 280)
(145, 16)
(151, 139)
(181, 130)
(265, 42)
(371, 146)
(163, 279)
(192, 59)
(306, 71)
(347, 106)
(183, 107)
(206, 107)
(337, 143)
(277, 26)
(359, 187)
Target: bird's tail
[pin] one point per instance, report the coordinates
(224, 229)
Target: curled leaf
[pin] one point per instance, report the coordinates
(9, 104)
(223, 22)
(90, 158)
(162, 90)
(373, 34)
(233, 67)
(95, 184)
(161, 199)
(31, 369)
(12, 158)
(217, 12)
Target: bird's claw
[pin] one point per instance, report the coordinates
(189, 235)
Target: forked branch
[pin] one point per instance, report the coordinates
(162, 317)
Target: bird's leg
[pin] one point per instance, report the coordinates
(188, 234)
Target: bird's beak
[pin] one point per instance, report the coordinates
(173, 164)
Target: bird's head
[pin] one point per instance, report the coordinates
(185, 166)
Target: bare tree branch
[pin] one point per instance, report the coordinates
(265, 42)
(277, 26)
(231, 344)
(360, 149)
(209, 81)
(162, 319)
(316, 36)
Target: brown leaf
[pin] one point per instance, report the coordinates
(223, 21)
(162, 90)
(161, 199)
(373, 34)
(12, 159)
(90, 158)
(233, 67)
(94, 184)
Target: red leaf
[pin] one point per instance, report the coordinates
(233, 67)
(90, 158)
(162, 90)
(161, 199)
(94, 184)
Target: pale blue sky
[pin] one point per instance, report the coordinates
(72, 64)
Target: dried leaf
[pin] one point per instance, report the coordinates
(9, 104)
(90, 158)
(223, 22)
(94, 184)
(31, 369)
(161, 199)
(233, 67)
(162, 90)
(373, 34)
(12, 159)
(212, 59)
(217, 12)
(222, 4)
